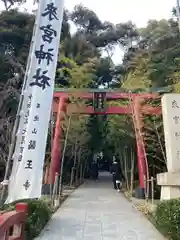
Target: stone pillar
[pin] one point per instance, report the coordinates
(170, 181)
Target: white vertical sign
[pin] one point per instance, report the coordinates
(27, 172)
(171, 121)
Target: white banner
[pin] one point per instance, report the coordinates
(27, 172)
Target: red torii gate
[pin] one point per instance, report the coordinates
(61, 106)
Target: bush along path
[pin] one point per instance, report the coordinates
(167, 218)
(39, 213)
(165, 215)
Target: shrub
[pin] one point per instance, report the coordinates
(38, 215)
(167, 218)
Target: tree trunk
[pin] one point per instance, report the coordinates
(126, 169)
(78, 167)
(132, 172)
(74, 165)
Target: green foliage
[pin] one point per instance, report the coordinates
(101, 34)
(167, 218)
(154, 143)
(38, 215)
(70, 74)
(120, 140)
(150, 65)
(155, 57)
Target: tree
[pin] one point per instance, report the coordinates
(10, 3)
(102, 34)
(15, 35)
(70, 74)
(156, 51)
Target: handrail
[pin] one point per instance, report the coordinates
(12, 223)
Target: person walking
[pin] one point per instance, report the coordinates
(117, 175)
(94, 169)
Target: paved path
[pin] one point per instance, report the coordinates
(97, 212)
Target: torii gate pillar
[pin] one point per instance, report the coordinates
(57, 148)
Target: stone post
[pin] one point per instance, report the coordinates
(170, 181)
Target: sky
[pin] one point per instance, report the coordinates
(116, 11)
(139, 11)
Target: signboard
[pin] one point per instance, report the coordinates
(28, 159)
(99, 101)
